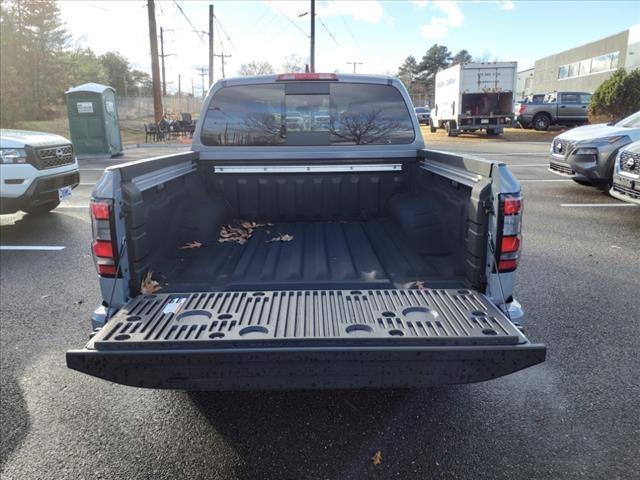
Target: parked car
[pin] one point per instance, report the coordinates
(340, 258)
(588, 153)
(38, 171)
(558, 108)
(626, 174)
(474, 96)
(423, 114)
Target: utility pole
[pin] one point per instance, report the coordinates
(211, 54)
(179, 85)
(222, 57)
(162, 55)
(354, 65)
(155, 68)
(203, 73)
(193, 93)
(312, 56)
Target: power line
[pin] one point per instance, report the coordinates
(290, 21)
(266, 10)
(349, 30)
(189, 21)
(325, 27)
(225, 33)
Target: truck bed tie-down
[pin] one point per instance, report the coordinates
(302, 338)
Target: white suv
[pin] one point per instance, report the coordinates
(37, 171)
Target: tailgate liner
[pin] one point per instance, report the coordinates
(297, 318)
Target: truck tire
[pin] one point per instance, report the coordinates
(541, 122)
(450, 127)
(42, 208)
(432, 127)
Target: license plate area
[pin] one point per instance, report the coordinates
(64, 193)
(484, 120)
(314, 318)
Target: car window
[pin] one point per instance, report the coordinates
(569, 98)
(632, 121)
(264, 115)
(585, 98)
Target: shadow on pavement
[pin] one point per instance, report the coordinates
(331, 434)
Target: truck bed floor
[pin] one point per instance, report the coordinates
(371, 254)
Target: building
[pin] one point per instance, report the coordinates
(584, 68)
(524, 83)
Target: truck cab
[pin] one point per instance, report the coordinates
(557, 108)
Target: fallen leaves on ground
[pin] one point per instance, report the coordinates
(420, 285)
(149, 285)
(377, 458)
(281, 238)
(190, 245)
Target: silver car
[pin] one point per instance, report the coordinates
(626, 174)
(587, 153)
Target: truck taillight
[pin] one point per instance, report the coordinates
(522, 109)
(510, 240)
(306, 76)
(105, 254)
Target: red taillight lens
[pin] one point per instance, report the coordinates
(103, 249)
(511, 205)
(522, 109)
(107, 270)
(510, 244)
(100, 210)
(306, 76)
(508, 265)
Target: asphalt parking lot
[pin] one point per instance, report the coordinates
(575, 416)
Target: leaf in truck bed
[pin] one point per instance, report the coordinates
(420, 285)
(281, 238)
(377, 458)
(149, 285)
(190, 245)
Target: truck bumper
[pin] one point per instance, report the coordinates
(42, 190)
(306, 340)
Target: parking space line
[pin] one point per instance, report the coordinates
(86, 184)
(31, 247)
(528, 165)
(595, 205)
(547, 180)
(529, 154)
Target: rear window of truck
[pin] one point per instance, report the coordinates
(341, 114)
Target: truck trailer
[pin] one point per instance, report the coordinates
(474, 96)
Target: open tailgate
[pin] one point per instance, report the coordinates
(306, 339)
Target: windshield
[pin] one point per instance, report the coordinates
(307, 114)
(632, 121)
(421, 110)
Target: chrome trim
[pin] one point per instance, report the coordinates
(152, 179)
(460, 176)
(387, 167)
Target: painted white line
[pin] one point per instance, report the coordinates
(578, 205)
(86, 184)
(31, 247)
(528, 165)
(528, 154)
(546, 181)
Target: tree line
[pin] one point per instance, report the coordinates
(39, 62)
(420, 77)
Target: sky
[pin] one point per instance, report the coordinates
(380, 34)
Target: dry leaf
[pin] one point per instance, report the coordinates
(149, 285)
(377, 458)
(190, 245)
(420, 284)
(281, 238)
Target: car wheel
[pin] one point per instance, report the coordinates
(42, 208)
(541, 122)
(432, 127)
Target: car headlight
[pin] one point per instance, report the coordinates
(586, 151)
(13, 155)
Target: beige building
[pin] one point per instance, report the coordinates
(584, 68)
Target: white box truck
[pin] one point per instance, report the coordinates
(474, 96)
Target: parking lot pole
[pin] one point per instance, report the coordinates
(312, 55)
(211, 56)
(155, 67)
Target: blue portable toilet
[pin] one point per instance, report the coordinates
(93, 119)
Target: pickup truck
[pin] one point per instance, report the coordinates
(339, 255)
(558, 108)
(37, 171)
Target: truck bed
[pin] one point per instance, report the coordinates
(345, 254)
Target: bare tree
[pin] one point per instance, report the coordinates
(293, 63)
(255, 67)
